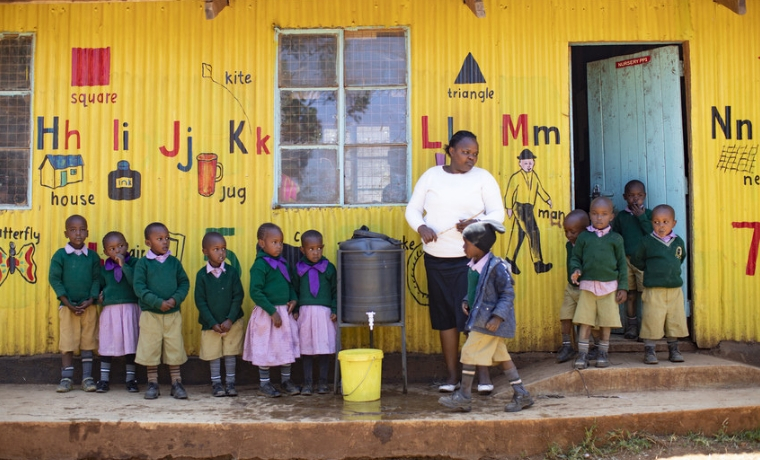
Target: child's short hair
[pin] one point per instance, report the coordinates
(75, 216)
(153, 226)
(113, 234)
(577, 216)
(310, 235)
(266, 228)
(483, 234)
(602, 199)
(210, 236)
(633, 183)
(664, 207)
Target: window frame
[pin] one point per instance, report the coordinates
(30, 94)
(341, 91)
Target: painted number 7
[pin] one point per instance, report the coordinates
(753, 246)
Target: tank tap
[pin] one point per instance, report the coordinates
(371, 317)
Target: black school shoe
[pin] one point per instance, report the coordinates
(268, 390)
(178, 391)
(102, 386)
(218, 390)
(290, 388)
(152, 392)
(230, 389)
(306, 390)
(132, 386)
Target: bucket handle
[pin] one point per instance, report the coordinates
(369, 368)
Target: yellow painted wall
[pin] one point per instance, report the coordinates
(158, 54)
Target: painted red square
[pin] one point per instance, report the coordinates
(90, 66)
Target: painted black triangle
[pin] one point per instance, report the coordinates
(470, 72)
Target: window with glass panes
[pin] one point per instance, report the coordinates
(15, 120)
(342, 110)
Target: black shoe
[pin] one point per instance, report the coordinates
(582, 361)
(515, 270)
(178, 391)
(152, 392)
(132, 386)
(631, 329)
(541, 267)
(519, 402)
(268, 390)
(290, 388)
(602, 360)
(650, 357)
(674, 356)
(230, 389)
(217, 390)
(323, 388)
(565, 353)
(456, 401)
(102, 386)
(306, 389)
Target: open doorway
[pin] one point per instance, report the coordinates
(629, 122)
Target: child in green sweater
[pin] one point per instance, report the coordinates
(574, 224)
(599, 268)
(74, 276)
(660, 256)
(161, 285)
(316, 283)
(634, 223)
(219, 299)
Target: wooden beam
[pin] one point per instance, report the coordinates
(737, 6)
(477, 7)
(214, 7)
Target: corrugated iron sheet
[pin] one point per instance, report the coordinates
(169, 98)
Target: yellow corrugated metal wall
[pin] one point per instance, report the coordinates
(166, 57)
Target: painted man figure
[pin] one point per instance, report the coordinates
(523, 188)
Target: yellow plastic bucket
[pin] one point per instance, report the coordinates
(361, 370)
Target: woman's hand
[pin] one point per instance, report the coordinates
(427, 234)
(462, 224)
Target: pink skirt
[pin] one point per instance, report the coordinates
(119, 329)
(266, 345)
(316, 331)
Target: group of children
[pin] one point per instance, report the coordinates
(140, 318)
(608, 263)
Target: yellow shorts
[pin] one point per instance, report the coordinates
(78, 332)
(160, 340)
(597, 311)
(215, 345)
(635, 277)
(662, 314)
(569, 302)
(484, 350)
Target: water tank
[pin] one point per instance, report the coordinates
(370, 270)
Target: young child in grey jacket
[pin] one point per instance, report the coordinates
(491, 318)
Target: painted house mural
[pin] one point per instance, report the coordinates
(322, 115)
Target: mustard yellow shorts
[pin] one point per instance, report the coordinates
(215, 345)
(484, 350)
(78, 332)
(160, 340)
(569, 302)
(635, 277)
(597, 311)
(662, 314)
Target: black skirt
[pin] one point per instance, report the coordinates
(447, 287)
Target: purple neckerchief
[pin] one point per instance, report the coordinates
(278, 263)
(111, 265)
(599, 233)
(666, 238)
(160, 258)
(302, 267)
(72, 250)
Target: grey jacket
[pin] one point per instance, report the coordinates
(494, 295)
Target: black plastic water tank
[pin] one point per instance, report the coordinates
(370, 271)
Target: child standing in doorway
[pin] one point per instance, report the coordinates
(272, 335)
(660, 256)
(161, 285)
(74, 276)
(489, 305)
(634, 223)
(316, 284)
(120, 318)
(219, 299)
(600, 269)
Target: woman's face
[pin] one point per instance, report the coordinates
(464, 156)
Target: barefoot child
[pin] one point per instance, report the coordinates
(489, 305)
(219, 299)
(74, 276)
(120, 318)
(272, 335)
(316, 284)
(161, 285)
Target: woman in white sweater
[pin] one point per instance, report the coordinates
(446, 199)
